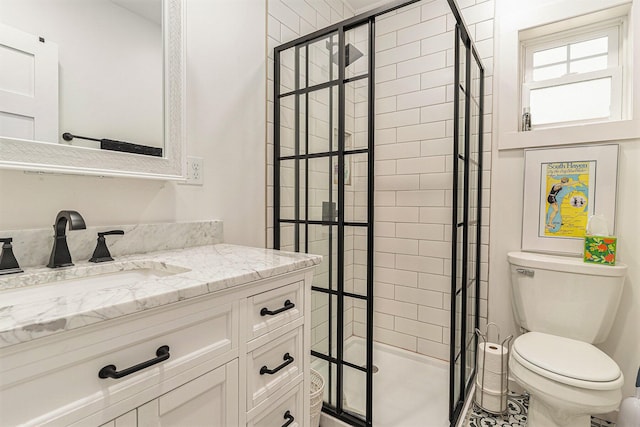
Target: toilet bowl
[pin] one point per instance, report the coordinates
(568, 380)
(564, 306)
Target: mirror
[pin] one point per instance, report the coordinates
(92, 86)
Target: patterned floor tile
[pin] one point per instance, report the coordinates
(516, 416)
(597, 422)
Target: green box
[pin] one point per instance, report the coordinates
(600, 249)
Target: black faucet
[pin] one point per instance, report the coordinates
(101, 253)
(60, 256)
(8, 262)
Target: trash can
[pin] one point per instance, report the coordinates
(316, 395)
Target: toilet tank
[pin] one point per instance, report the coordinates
(565, 296)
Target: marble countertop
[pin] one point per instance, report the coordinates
(190, 273)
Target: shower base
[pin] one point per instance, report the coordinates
(410, 390)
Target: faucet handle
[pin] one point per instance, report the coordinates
(101, 253)
(109, 233)
(8, 261)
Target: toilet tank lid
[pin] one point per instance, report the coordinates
(566, 357)
(565, 263)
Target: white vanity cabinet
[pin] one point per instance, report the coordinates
(127, 420)
(278, 356)
(209, 400)
(237, 357)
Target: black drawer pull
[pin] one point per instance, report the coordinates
(109, 371)
(288, 305)
(288, 359)
(289, 418)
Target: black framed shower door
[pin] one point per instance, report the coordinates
(324, 94)
(466, 230)
(323, 196)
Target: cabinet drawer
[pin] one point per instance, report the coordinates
(288, 411)
(72, 382)
(272, 309)
(274, 365)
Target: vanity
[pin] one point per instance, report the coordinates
(213, 335)
(178, 331)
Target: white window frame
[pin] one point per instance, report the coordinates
(613, 29)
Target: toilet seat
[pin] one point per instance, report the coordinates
(567, 361)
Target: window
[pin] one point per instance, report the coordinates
(574, 77)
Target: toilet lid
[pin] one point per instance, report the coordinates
(566, 357)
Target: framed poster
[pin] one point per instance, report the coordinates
(563, 187)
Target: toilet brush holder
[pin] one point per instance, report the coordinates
(492, 370)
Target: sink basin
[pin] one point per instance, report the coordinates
(50, 288)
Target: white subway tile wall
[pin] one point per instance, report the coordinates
(413, 181)
(414, 137)
(288, 20)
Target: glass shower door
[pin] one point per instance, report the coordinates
(323, 184)
(466, 223)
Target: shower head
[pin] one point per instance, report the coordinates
(351, 53)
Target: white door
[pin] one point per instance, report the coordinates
(210, 400)
(28, 86)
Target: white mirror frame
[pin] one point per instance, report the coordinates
(59, 158)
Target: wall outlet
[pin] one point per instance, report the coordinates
(195, 171)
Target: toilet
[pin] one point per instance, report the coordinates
(564, 306)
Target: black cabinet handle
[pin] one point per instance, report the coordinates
(289, 418)
(288, 305)
(288, 359)
(109, 371)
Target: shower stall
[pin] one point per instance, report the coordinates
(378, 167)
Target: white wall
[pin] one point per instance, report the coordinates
(225, 125)
(623, 344)
(226, 115)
